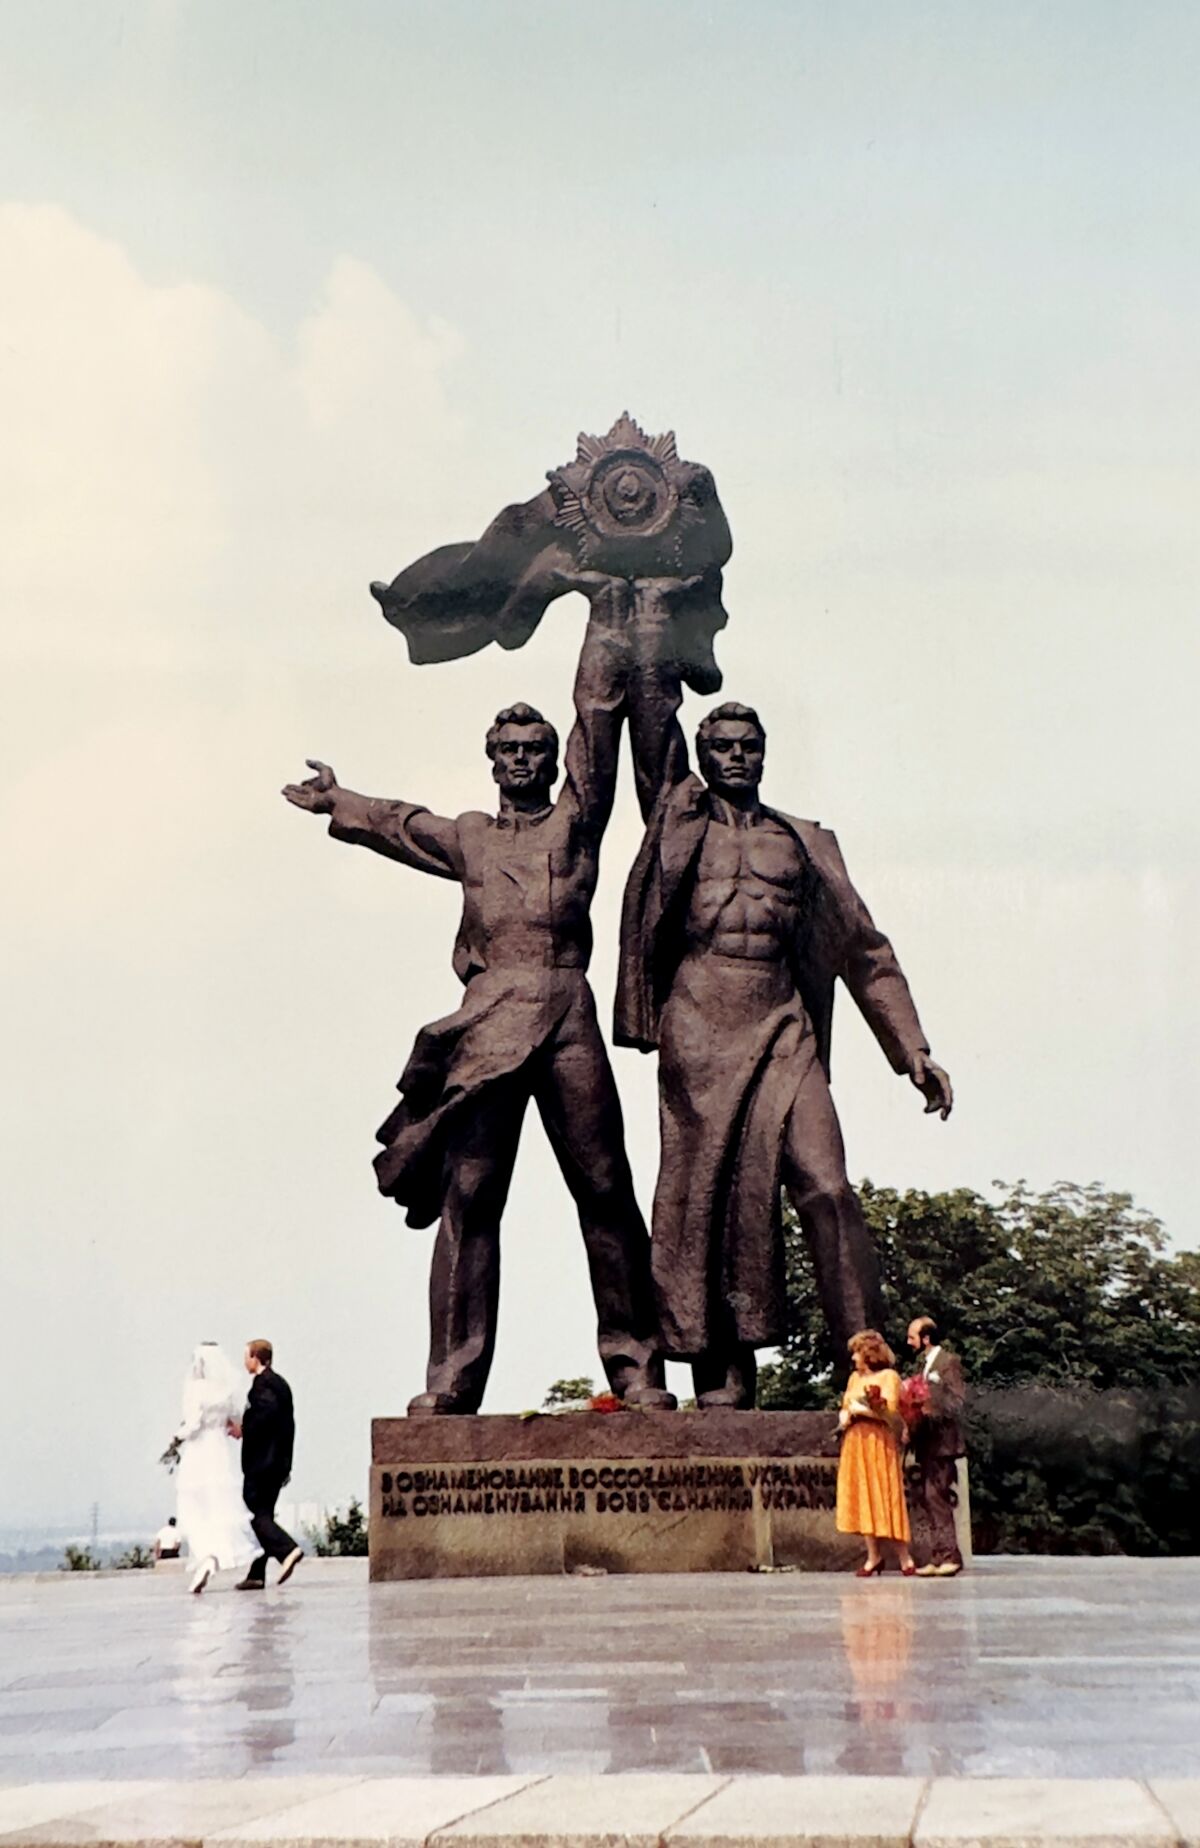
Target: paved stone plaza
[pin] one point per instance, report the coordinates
(1022, 1668)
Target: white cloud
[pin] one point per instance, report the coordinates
(339, 352)
(171, 469)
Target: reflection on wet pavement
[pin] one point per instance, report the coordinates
(1020, 1668)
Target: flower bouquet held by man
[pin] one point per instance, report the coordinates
(914, 1399)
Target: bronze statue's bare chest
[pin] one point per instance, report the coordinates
(765, 854)
(747, 892)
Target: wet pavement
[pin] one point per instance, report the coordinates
(1022, 1668)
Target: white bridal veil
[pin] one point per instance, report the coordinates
(213, 1386)
(208, 1488)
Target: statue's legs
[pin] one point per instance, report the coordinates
(726, 1376)
(843, 1252)
(464, 1280)
(576, 1095)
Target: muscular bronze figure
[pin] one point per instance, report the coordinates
(738, 921)
(526, 1028)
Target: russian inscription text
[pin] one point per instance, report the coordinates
(645, 1487)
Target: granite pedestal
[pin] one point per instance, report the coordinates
(629, 1491)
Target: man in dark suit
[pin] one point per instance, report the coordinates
(937, 1443)
(268, 1438)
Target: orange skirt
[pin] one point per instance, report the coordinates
(870, 1485)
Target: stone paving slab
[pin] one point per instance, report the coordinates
(1029, 1812)
(1180, 1797)
(26, 1806)
(767, 1812)
(636, 1811)
(401, 1812)
(174, 1815)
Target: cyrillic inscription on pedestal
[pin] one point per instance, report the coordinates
(629, 1492)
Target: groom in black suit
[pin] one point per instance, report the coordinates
(268, 1437)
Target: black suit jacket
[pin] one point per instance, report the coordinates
(268, 1438)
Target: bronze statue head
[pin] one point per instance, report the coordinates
(523, 747)
(730, 745)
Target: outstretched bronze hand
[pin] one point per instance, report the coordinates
(933, 1083)
(316, 793)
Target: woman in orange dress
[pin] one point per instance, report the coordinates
(870, 1485)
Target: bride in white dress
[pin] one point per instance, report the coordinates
(209, 1506)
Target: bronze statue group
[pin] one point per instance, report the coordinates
(738, 922)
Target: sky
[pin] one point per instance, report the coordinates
(291, 294)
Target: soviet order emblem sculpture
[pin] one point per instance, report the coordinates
(627, 507)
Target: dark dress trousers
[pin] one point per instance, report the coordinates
(937, 1444)
(268, 1438)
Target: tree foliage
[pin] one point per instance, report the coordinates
(134, 1559)
(1073, 1286)
(568, 1395)
(344, 1535)
(79, 1559)
(1080, 1335)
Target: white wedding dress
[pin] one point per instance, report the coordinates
(209, 1506)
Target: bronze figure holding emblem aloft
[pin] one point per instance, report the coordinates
(738, 922)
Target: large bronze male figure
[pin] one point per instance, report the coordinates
(526, 1029)
(738, 921)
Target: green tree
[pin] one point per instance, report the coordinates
(568, 1395)
(344, 1535)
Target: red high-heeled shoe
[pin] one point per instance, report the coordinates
(870, 1571)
